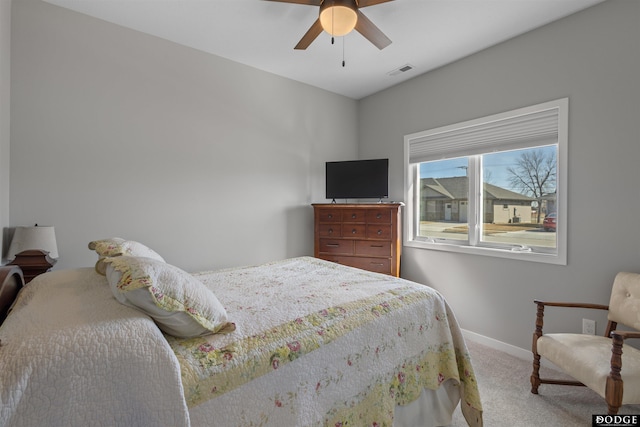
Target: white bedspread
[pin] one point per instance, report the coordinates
(71, 355)
(74, 356)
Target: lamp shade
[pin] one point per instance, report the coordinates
(37, 237)
(338, 17)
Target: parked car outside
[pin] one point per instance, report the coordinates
(549, 223)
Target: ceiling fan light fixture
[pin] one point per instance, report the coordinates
(338, 17)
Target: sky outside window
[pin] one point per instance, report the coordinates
(496, 163)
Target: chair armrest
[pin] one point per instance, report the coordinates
(625, 334)
(540, 314)
(572, 304)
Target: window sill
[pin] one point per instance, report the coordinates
(547, 258)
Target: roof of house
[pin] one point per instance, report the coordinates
(457, 187)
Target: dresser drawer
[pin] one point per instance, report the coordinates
(329, 230)
(379, 231)
(373, 248)
(361, 235)
(354, 215)
(377, 265)
(354, 230)
(381, 215)
(329, 215)
(336, 246)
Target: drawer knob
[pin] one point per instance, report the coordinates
(353, 216)
(330, 230)
(353, 231)
(379, 232)
(330, 216)
(379, 216)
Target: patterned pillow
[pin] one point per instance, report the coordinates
(116, 246)
(179, 303)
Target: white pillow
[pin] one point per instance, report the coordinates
(179, 303)
(116, 246)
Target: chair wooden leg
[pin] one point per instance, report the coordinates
(615, 386)
(535, 374)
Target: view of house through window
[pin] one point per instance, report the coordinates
(491, 186)
(518, 192)
(443, 199)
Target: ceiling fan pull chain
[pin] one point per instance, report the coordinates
(343, 43)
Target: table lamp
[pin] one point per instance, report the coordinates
(34, 250)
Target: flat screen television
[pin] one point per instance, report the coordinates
(358, 179)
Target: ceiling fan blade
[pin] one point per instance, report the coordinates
(365, 3)
(309, 2)
(372, 33)
(310, 35)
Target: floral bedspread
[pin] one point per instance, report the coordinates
(317, 343)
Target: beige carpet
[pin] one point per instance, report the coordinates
(507, 401)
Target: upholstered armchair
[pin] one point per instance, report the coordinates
(602, 363)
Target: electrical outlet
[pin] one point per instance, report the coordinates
(588, 326)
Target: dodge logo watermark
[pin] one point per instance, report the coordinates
(615, 420)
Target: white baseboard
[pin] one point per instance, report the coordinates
(498, 345)
(521, 353)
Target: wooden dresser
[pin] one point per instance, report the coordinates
(366, 236)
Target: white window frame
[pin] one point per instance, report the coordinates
(475, 137)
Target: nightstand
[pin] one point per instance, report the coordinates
(34, 250)
(33, 262)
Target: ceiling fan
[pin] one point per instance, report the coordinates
(340, 17)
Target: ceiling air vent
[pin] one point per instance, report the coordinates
(403, 69)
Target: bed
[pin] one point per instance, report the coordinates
(313, 343)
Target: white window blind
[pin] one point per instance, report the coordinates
(519, 129)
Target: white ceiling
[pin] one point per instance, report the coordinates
(425, 34)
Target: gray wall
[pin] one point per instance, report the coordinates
(5, 92)
(117, 133)
(593, 58)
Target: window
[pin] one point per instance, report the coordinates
(491, 186)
